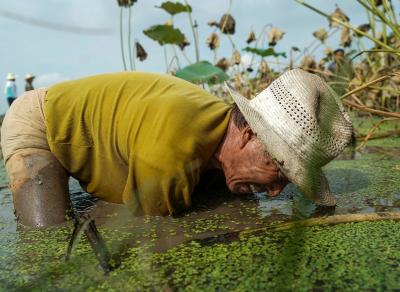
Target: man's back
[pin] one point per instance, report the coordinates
(138, 138)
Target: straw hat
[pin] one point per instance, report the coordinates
(302, 126)
(11, 76)
(29, 76)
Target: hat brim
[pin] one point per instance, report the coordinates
(309, 179)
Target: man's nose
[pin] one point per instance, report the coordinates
(275, 189)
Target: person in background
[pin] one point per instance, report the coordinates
(340, 71)
(28, 82)
(11, 88)
(338, 58)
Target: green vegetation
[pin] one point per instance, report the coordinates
(358, 256)
(366, 76)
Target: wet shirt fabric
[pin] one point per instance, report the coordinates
(138, 138)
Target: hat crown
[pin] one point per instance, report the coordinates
(310, 116)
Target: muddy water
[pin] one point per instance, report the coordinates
(366, 181)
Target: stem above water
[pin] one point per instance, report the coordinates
(122, 38)
(195, 37)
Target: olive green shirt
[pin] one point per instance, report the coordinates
(138, 138)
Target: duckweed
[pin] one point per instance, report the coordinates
(171, 253)
(355, 256)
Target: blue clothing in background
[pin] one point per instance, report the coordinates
(11, 89)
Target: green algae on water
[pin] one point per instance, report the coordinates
(355, 256)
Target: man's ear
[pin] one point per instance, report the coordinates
(246, 135)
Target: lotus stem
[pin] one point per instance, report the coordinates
(348, 25)
(121, 37)
(131, 57)
(364, 108)
(195, 37)
(373, 130)
(319, 221)
(375, 11)
(368, 84)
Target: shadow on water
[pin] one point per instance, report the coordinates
(344, 180)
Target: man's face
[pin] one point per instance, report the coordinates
(251, 169)
(339, 55)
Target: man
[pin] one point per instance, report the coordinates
(144, 139)
(28, 82)
(10, 89)
(338, 59)
(340, 71)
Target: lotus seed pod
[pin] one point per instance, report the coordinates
(364, 28)
(168, 22)
(184, 44)
(237, 81)
(308, 63)
(275, 35)
(321, 64)
(328, 52)
(339, 14)
(223, 64)
(126, 3)
(321, 34)
(264, 68)
(251, 37)
(236, 57)
(141, 53)
(345, 37)
(227, 24)
(213, 41)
